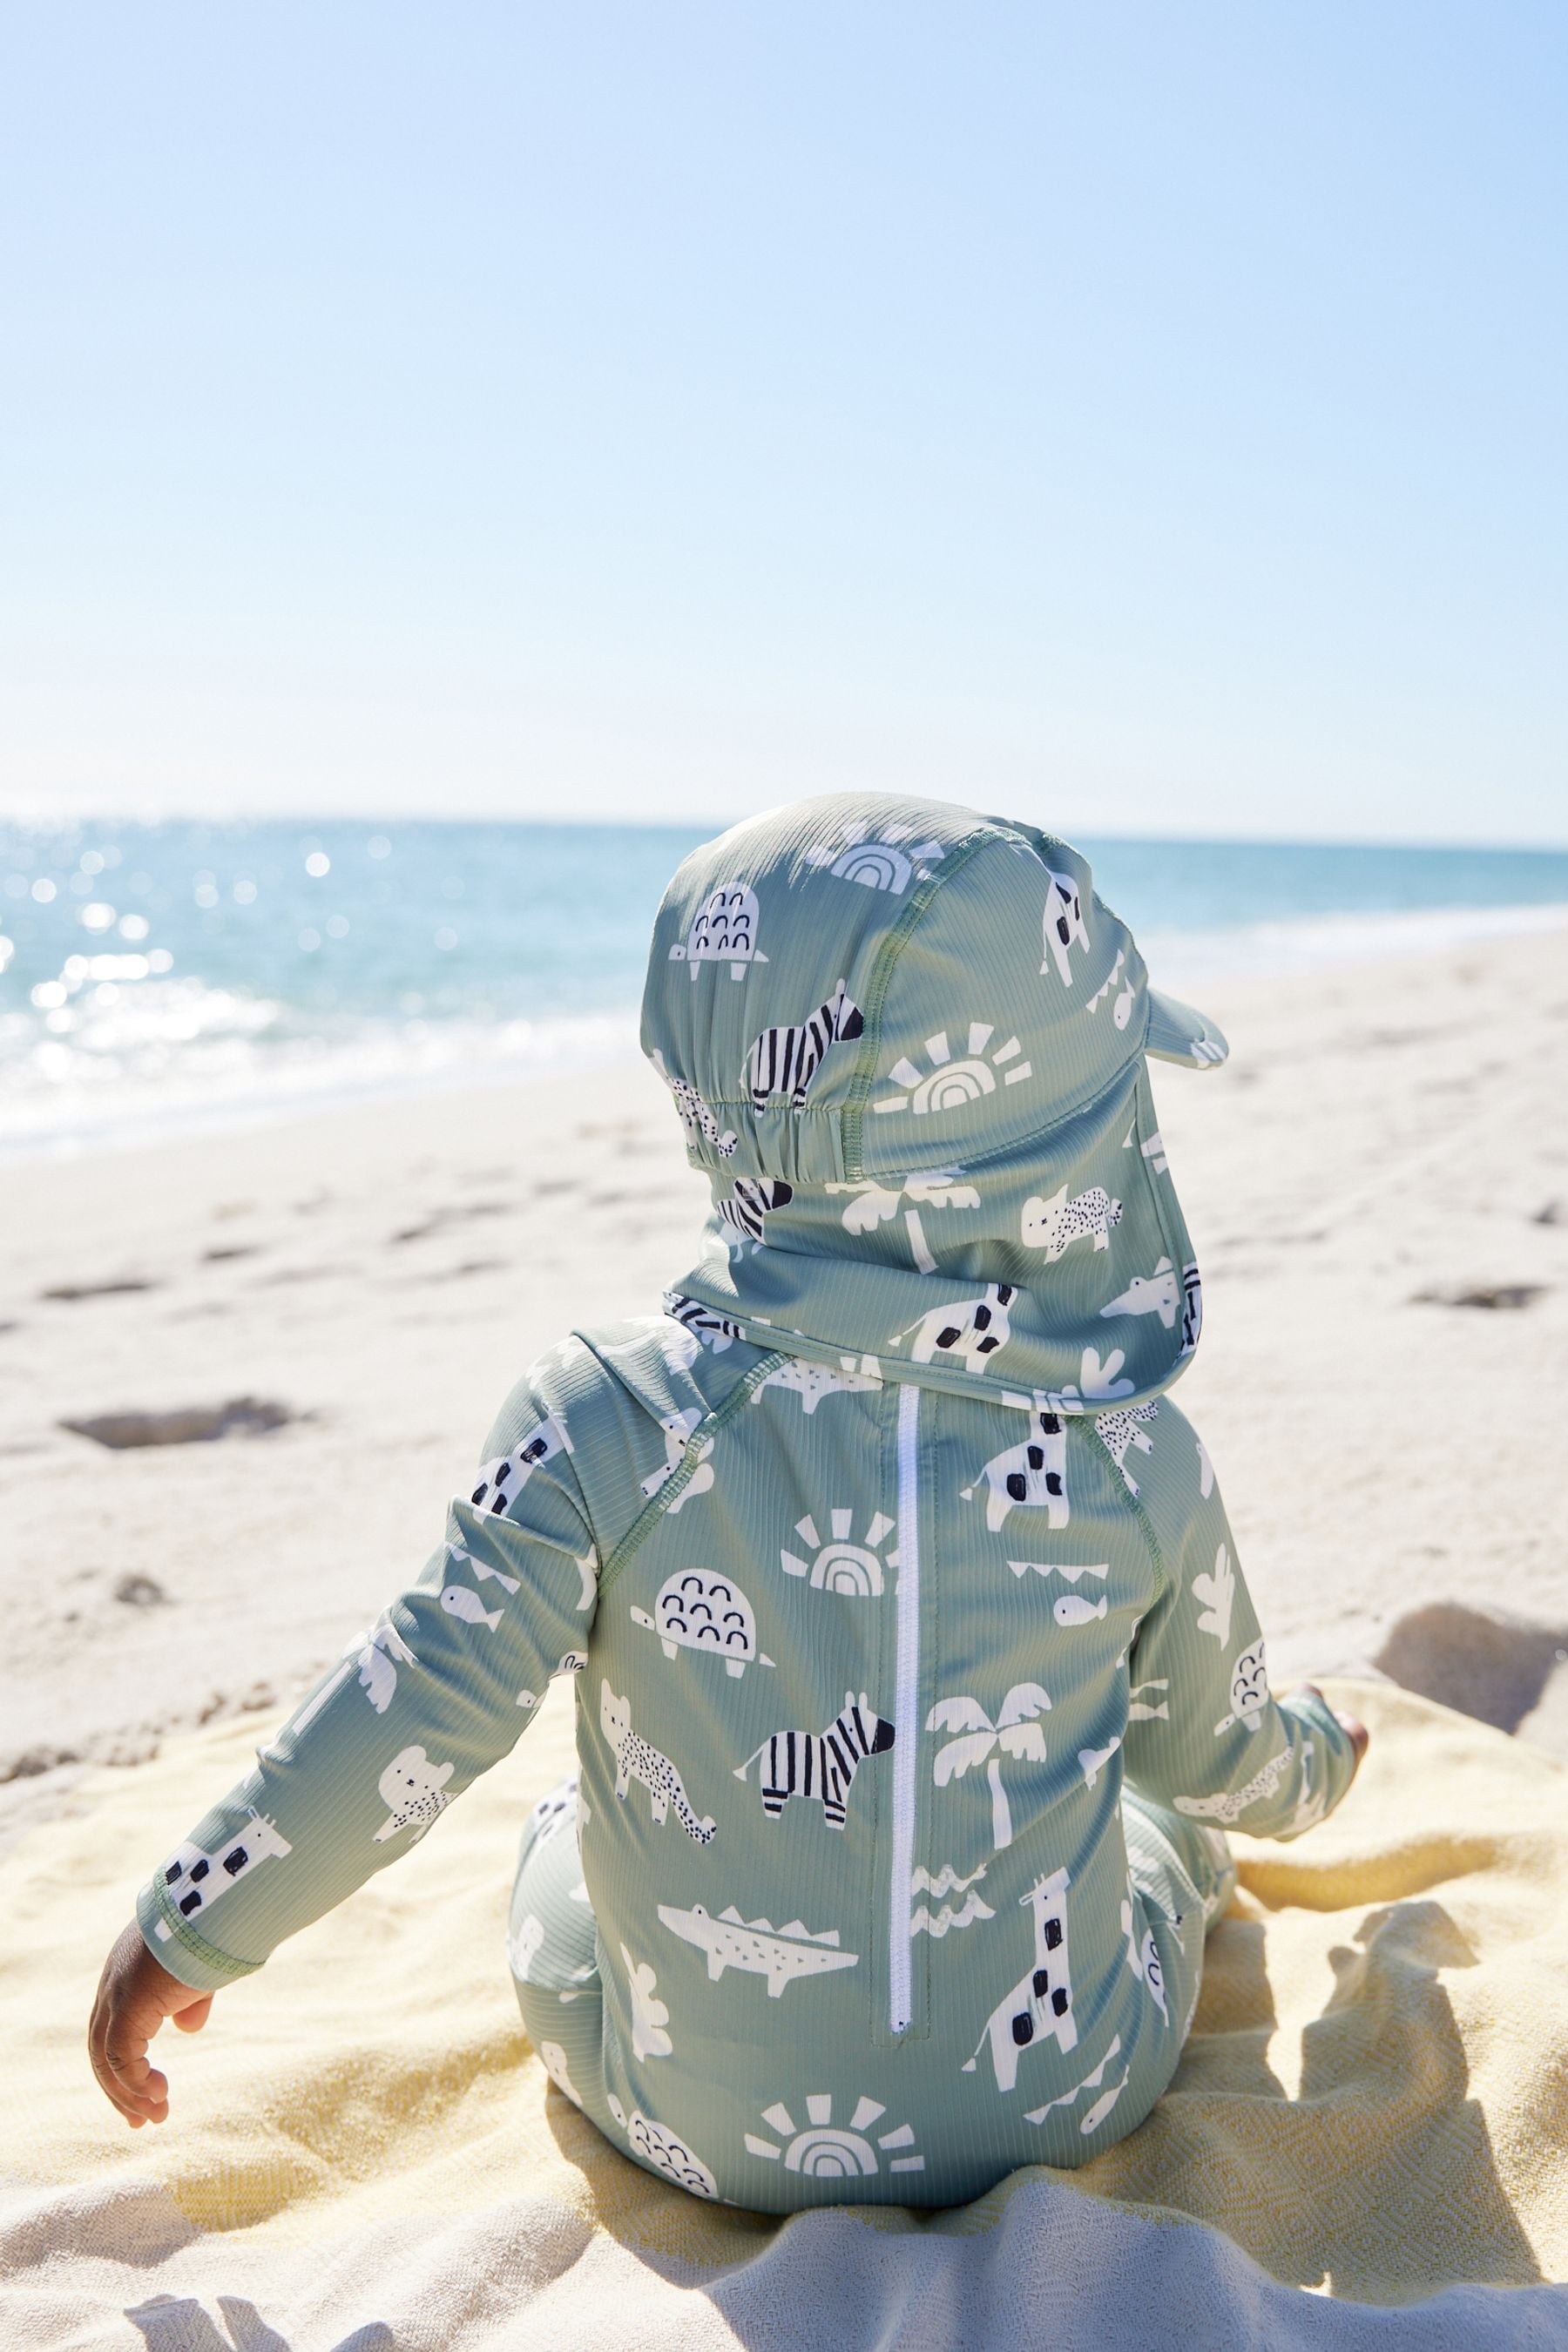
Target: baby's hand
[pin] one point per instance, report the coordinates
(135, 1994)
(1360, 1737)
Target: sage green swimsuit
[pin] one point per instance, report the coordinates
(917, 1679)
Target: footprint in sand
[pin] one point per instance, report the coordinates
(454, 1273)
(1499, 1297)
(32, 1762)
(141, 1593)
(441, 1218)
(302, 1273)
(72, 1291)
(185, 1426)
(1496, 1668)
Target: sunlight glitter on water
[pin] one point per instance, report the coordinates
(177, 974)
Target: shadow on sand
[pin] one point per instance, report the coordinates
(1375, 2182)
(1494, 1667)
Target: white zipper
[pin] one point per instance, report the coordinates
(906, 1700)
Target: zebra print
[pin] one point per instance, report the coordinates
(785, 1061)
(714, 1330)
(1192, 1307)
(820, 1764)
(750, 1201)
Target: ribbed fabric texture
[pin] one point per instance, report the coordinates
(938, 1070)
(867, 1925)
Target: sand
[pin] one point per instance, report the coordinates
(1389, 1144)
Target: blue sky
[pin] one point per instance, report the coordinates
(1146, 418)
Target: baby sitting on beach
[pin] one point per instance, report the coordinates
(918, 1682)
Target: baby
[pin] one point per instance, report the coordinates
(919, 1683)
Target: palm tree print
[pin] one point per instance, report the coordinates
(1015, 1732)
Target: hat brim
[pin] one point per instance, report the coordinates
(1178, 1033)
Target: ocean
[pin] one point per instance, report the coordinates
(154, 976)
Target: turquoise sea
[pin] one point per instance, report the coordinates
(186, 973)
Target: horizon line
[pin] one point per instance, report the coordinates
(34, 817)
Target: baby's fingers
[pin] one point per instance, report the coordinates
(191, 2019)
(1360, 1736)
(135, 1993)
(143, 2090)
(120, 2064)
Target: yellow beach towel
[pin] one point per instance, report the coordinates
(364, 2152)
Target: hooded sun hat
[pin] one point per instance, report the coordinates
(908, 1044)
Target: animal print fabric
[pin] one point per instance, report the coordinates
(929, 1075)
(917, 1681)
(1175, 1875)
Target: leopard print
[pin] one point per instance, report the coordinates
(636, 1758)
(1089, 1214)
(1119, 1432)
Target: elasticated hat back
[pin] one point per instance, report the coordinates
(908, 1044)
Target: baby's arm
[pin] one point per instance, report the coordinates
(1205, 1736)
(421, 1703)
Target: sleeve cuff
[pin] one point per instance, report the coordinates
(1335, 1746)
(175, 1945)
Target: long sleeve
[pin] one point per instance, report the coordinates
(420, 1703)
(1205, 1736)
